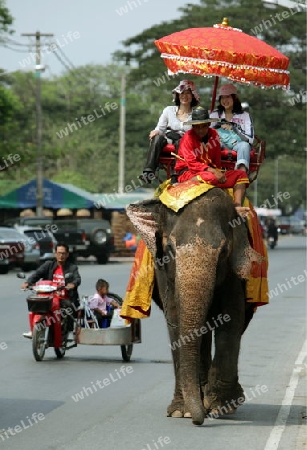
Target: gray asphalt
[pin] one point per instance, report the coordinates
(39, 404)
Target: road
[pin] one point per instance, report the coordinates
(41, 406)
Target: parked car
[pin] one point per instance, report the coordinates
(297, 226)
(283, 224)
(31, 251)
(12, 249)
(45, 240)
(290, 224)
(74, 237)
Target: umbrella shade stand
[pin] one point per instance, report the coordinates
(223, 51)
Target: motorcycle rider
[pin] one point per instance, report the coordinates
(62, 273)
(272, 230)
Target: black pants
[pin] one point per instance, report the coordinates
(70, 310)
(153, 154)
(101, 317)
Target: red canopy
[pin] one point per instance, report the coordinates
(223, 51)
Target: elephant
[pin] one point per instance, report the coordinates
(201, 264)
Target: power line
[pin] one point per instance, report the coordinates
(69, 62)
(13, 42)
(15, 49)
(61, 60)
(76, 74)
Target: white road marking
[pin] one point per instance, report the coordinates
(280, 424)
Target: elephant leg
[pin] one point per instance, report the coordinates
(176, 408)
(170, 309)
(223, 393)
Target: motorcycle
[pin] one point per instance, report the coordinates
(49, 324)
(271, 242)
(48, 321)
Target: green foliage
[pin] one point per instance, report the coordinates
(6, 21)
(73, 177)
(89, 155)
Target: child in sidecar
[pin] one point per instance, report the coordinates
(101, 304)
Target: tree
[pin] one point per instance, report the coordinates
(6, 21)
(73, 147)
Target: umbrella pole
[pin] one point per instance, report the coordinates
(216, 82)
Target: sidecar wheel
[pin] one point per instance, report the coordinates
(38, 344)
(60, 352)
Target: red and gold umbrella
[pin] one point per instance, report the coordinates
(223, 51)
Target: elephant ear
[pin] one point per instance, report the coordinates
(242, 254)
(144, 216)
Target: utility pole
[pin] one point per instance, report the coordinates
(39, 163)
(122, 127)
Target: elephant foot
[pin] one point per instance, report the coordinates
(224, 402)
(178, 415)
(215, 407)
(175, 414)
(177, 411)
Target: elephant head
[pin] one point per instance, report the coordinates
(197, 252)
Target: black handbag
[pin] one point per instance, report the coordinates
(173, 135)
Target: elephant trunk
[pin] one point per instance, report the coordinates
(198, 287)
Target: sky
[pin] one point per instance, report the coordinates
(97, 28)
(87, 32)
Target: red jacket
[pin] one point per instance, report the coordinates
(197, 155)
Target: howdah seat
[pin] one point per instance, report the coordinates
(167, 159)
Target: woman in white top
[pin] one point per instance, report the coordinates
(170, 127)
(230, 111)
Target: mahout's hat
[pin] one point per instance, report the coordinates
(199, 115)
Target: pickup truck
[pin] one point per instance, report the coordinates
(85, 237)
(99, 239)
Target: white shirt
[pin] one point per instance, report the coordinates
(169, 119)
(243, 121)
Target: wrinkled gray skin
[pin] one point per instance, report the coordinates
(205, 261)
